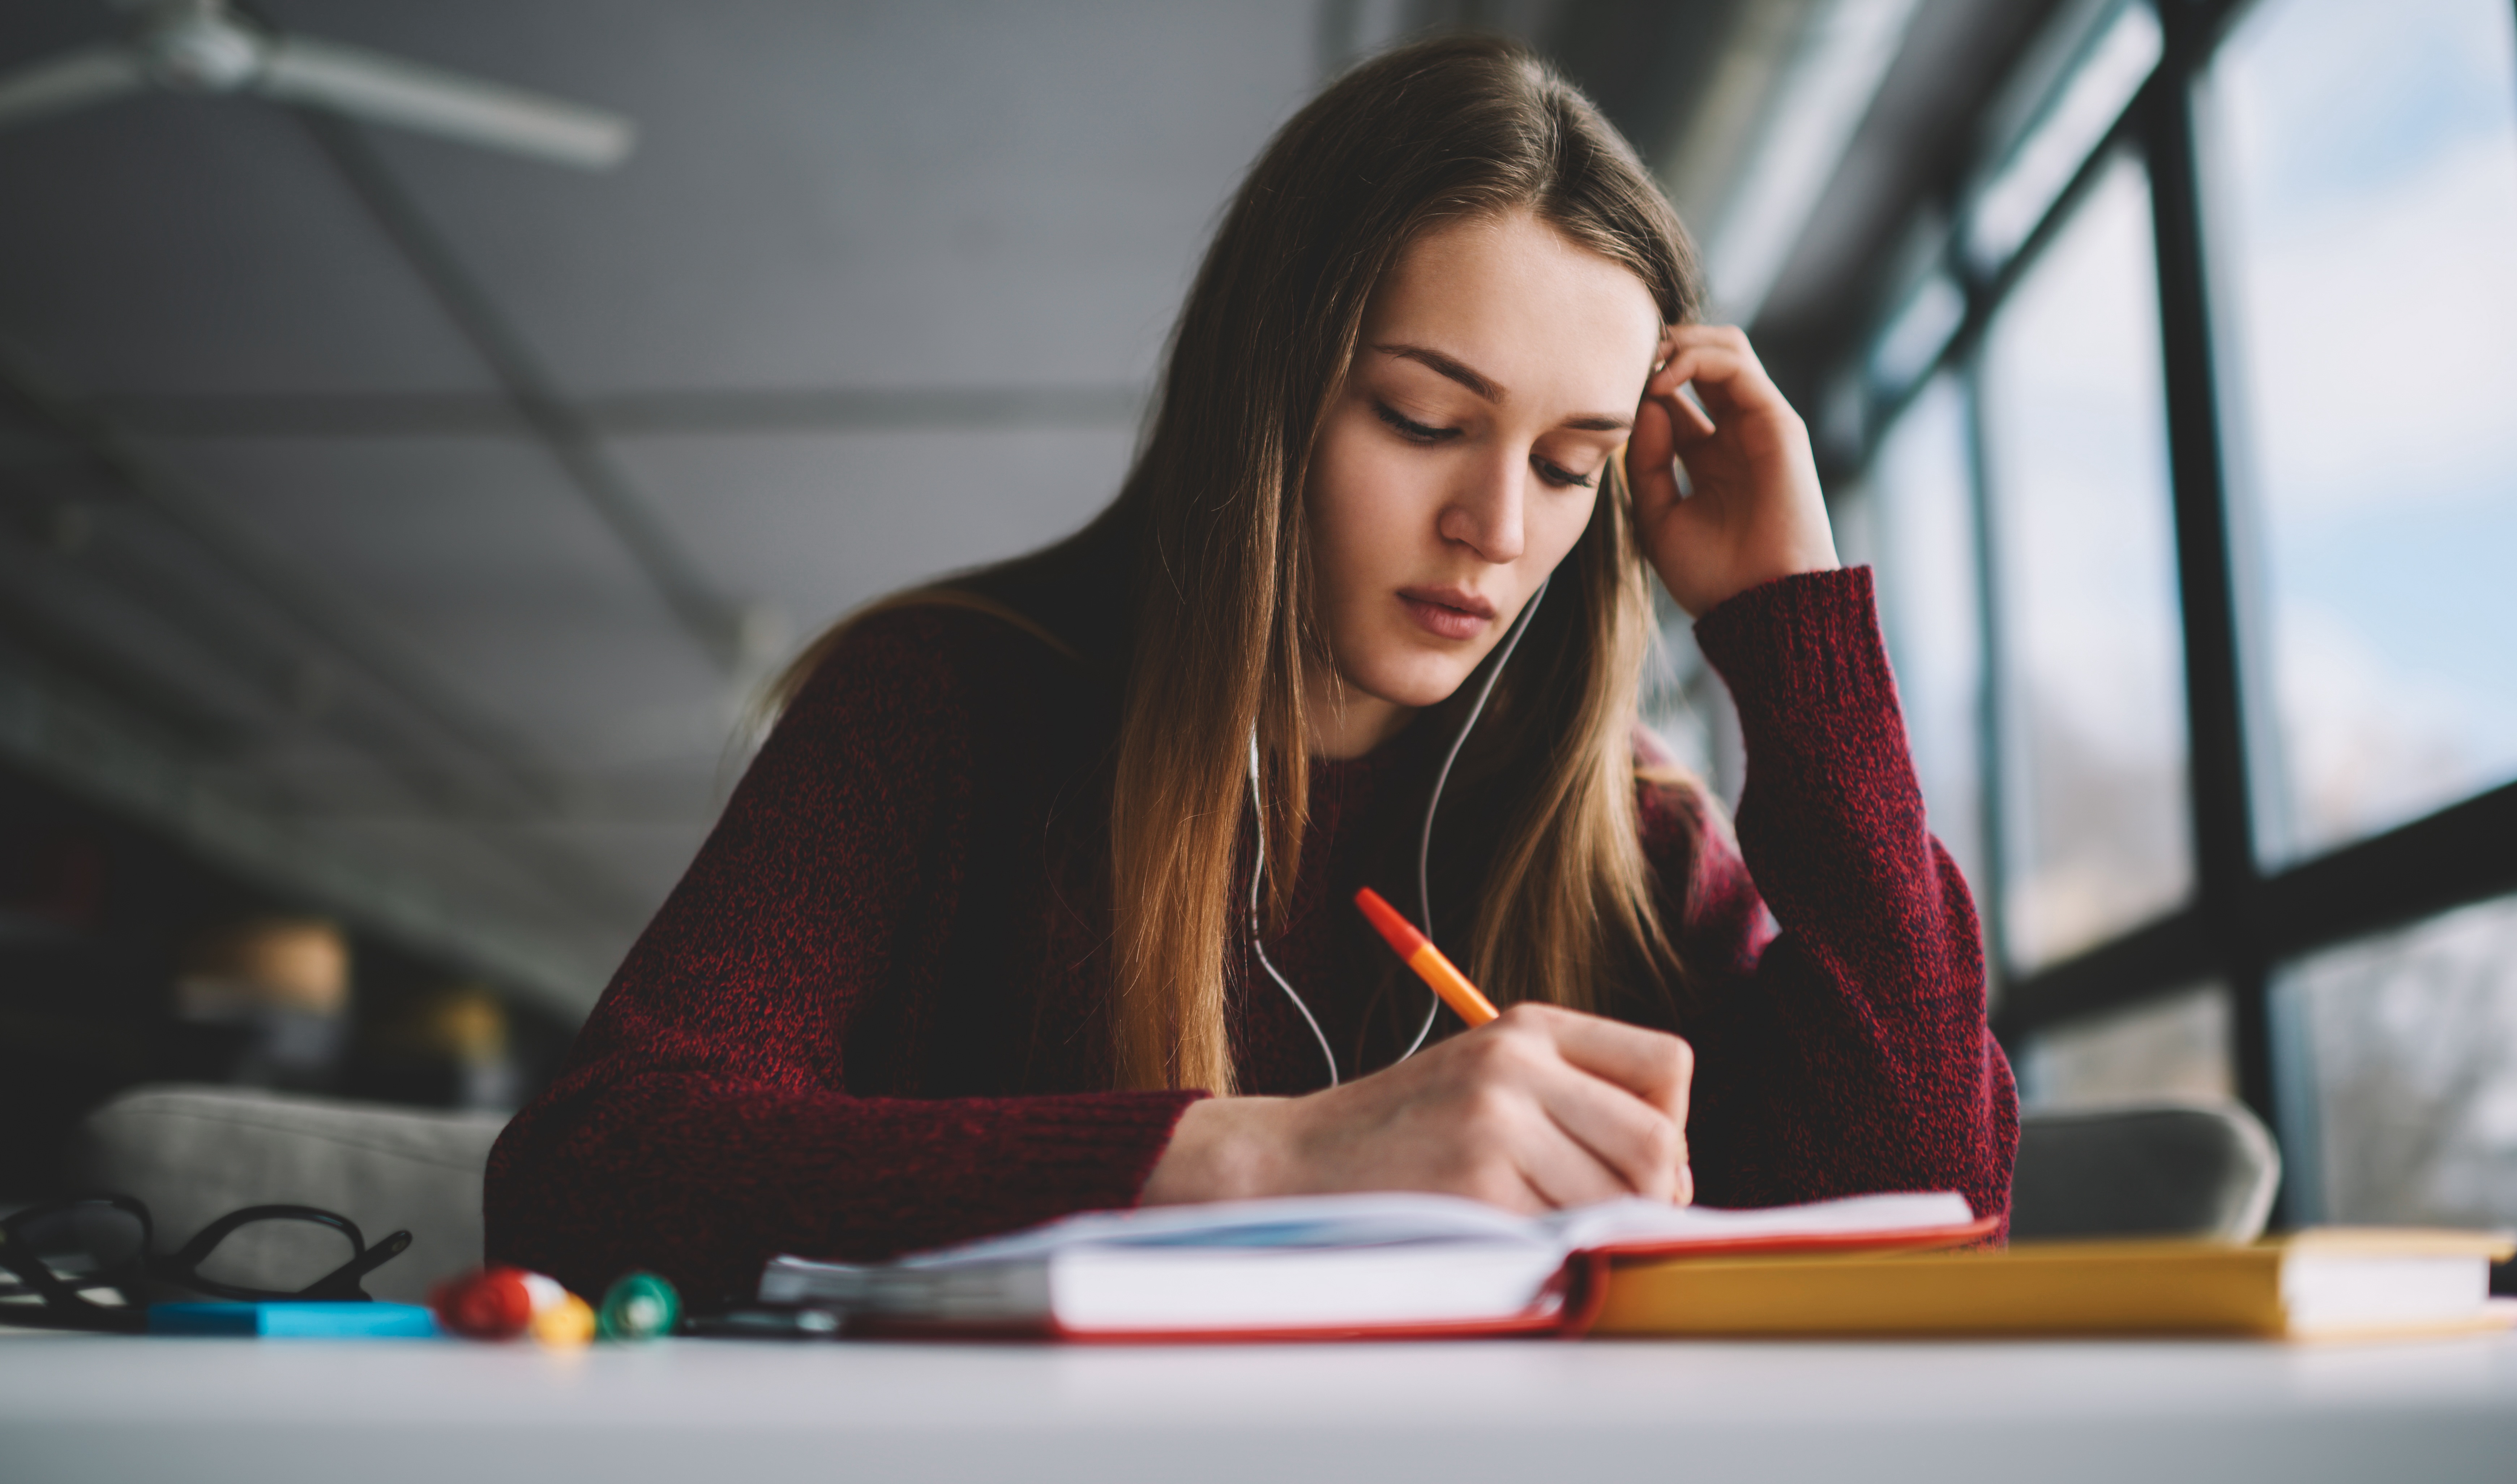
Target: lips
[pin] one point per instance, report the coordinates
(1447, 612)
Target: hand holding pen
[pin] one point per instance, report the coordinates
(1532, 1108)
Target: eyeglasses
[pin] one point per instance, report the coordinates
(58, 1253)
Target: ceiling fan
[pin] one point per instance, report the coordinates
(203, 46)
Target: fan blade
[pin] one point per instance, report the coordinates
(71, 80)
(391, 90)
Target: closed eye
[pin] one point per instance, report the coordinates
(1410, 429)
(1420, 432)
(1560, 475)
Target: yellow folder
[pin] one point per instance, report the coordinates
(2328, 1283)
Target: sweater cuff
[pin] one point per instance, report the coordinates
(1803, 658)
(1088, 1153)
(953, 1172)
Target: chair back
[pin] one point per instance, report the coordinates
(195, 1153)
(2164, 1170)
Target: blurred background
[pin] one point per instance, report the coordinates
(406, 484)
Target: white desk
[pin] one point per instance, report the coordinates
(205, 1412)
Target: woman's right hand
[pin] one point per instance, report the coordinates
(1543, 1107)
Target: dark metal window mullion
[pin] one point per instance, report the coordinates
(2227, 879)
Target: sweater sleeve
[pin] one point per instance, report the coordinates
(704, 1121)
(1841, 1042)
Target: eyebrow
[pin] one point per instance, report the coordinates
(1475, 381)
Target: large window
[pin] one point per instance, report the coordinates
(1928, 565)
(2094, 711)
(2217, 367)
(2173, 1047)
(2409, 1040)
(2366, 181)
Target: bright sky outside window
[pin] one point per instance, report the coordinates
(2366, 225)
(2175, 1046)
(2411, 1039)
(1927, 587)
(2094, 757)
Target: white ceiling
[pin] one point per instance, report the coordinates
(876, 297)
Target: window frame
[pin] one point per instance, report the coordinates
(2243, 922)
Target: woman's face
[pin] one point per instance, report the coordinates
(1498, 372)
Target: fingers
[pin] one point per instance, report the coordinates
(1722, 377)
(1650, 445)
(1664, 421)
(1616, 1092)
(1543, 1107)
(1652, 1065)
(1651, 456)
(1641, 1148)
(1718, 361)
(1688, 416)
(1564, 1170)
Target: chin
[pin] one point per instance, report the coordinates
(1416, 681)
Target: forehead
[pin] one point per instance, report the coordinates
(1524, 304)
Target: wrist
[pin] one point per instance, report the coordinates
(1221, 1149)
(1700, 597)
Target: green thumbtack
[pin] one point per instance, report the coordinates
(639, 1306)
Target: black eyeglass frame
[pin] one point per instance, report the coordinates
(65, 1304)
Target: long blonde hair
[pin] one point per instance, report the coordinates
(1209, 630)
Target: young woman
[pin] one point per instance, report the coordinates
(1038, 899)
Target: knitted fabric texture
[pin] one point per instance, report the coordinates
(870, 1018)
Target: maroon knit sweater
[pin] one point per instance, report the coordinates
(870, 1019)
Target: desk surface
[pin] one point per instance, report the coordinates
(208, 1410)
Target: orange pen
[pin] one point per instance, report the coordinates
(1427, 960)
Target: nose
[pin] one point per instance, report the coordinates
(1485, 514)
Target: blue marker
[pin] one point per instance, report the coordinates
(295, 1320)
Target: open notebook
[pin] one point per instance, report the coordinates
(1327, 1266)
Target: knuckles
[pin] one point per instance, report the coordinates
(1488, 1114)
(1517, 1040)
(1664, 1145)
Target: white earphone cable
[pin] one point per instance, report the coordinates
(1424, 844)
(1258, 944)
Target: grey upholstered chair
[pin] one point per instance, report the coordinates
(2183, 1170)
(194, 1154)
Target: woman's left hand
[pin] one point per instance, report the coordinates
(1755, 512)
